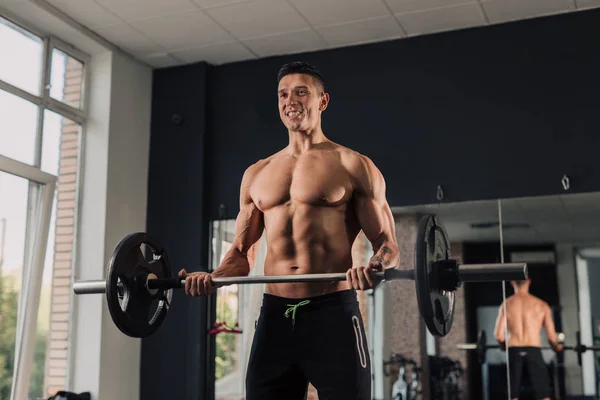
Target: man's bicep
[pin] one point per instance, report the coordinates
(375, 219)
(249, 226)
(249, 223)
(371, 206)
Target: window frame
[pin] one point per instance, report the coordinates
(42, 190)
(35, 253)
(45, 101)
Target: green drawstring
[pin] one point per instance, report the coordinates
(292, 308)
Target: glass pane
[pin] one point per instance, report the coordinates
(444, 367)
(558, 237)
(22, 55)
(13, 224)
(59, 157)
(66, 79)
(229, 329)
(60, 146)
(18, 126)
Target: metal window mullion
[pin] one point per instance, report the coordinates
(20, 93)
(45, 91)
(37, 157)
(65, 110)
(69, 50)
(26, 171)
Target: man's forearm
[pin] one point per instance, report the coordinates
(234, 263)
(386, 255)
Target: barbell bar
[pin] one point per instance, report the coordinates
(466, 273)
(139, 291)
(481, 346)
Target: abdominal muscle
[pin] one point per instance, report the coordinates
(303, 239)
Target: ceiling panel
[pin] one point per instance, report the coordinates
(509, 10)
(161, 60)
(86, 12)
(329, 12)
(362, 31)
(130, 39)
(581, 200)
(288, 43)
(514, 216)
(542, 202)
(216, 54)
(546, 216)
(408, 6)
(183, 31)
(441, 19)
(582, 4)
(215, 28)
(259, 18)
(134, 10)
(216, 3)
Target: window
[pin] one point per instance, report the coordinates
(18, 126)
(13, 220)
(42, 118)
(23, 68)
(66, 79)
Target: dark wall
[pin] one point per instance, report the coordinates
(494, 112)
(173, 358)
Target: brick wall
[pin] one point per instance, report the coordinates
(447, 345)
(57, 347)
(407, 330)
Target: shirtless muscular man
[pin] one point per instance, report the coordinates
(312, 199)
(525, 317)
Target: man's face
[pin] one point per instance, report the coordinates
(301, 102)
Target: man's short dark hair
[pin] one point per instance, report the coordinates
(299, 67)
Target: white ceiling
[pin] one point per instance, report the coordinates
(572, 218)
(173, 32)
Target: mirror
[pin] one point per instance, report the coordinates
(405, 358)
(559, 237)
(450, 371)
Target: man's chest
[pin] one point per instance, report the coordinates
(308, 180)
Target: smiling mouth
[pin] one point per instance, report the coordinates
(293, 114)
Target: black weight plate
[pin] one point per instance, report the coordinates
(134, 311)
(435, 305)
(481, 347)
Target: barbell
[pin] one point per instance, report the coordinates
(481, 347)
(139, 283)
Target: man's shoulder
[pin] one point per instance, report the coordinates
(257, 166)
(354, 161)
(252, 170)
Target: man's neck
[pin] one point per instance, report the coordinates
(303, 141)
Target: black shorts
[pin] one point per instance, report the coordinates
(528, 360)
(321, 340)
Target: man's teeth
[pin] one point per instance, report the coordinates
(293, 114)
